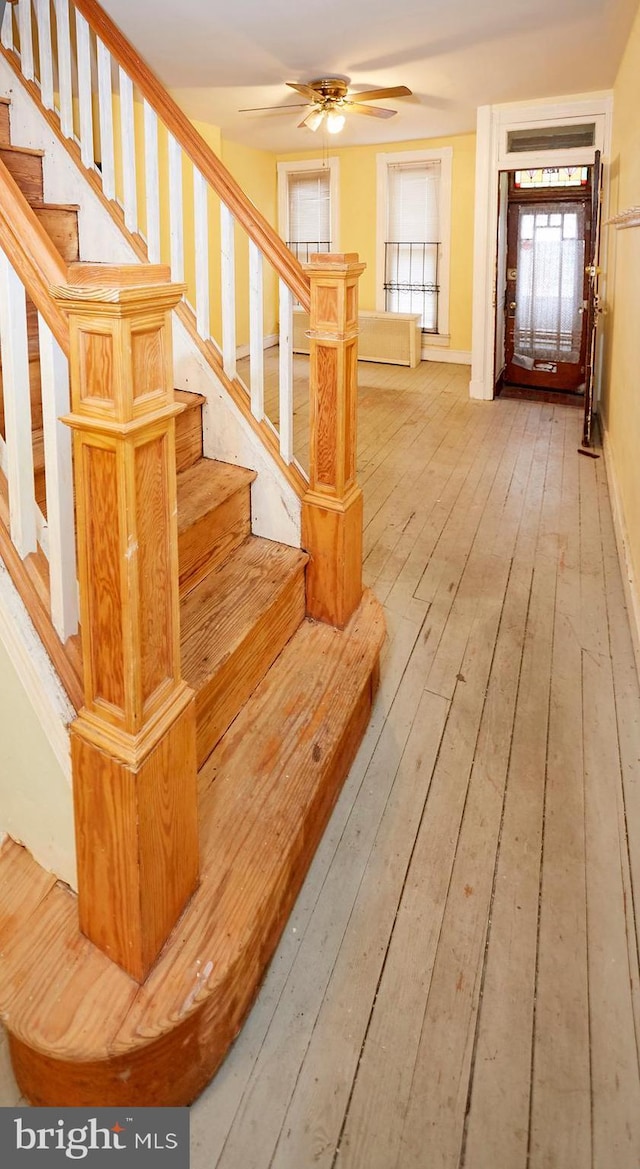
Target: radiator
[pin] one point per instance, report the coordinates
(391, 338)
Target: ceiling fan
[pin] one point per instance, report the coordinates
(330, 101)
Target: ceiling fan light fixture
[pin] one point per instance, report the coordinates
(335, 121)
(314, 119)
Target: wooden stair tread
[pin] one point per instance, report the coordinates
(220, 611)
(189, 398)
(234, 625)
(38, 206)
(206, 485)
(266, 793)
(32, 151)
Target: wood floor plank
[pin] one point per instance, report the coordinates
(375, 1122)
(436, 1111)
(614, 1056)
(324, 1084)
(498, 1119)
(560, 1125)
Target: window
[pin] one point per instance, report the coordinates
(552, 137)
(308, 201)
(413, 235)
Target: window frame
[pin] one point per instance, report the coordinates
(332, 164)
(444, 156)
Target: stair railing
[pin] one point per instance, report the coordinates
(30, 355)
(181, 207)
(177, 198)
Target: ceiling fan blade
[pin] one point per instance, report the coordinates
(354, 107)
(296, 105)
(374, 94)
(305, 90)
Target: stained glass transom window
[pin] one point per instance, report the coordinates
(551, 176)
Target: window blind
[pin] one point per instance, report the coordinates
(414, 202)
(310, 207)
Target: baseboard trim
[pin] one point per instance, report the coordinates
(454, 356)
(269, 342)
(629, 582)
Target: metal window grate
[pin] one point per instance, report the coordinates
(304, 249)
(411, 282)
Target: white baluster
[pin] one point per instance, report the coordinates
(6, 34)
(201, 219)
(228, 281)
(59, 468)
(17, 409)
(64, 67)
(256, 331)
(26, 39)
(152, 183)
(286, 372)
(85, 101)
(43, 15)
(128, 152)
(175, 210)
(105, 110)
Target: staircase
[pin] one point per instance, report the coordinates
(281, 703)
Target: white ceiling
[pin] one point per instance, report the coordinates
(220, 57)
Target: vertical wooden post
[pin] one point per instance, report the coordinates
(133, 743)
(332, 507)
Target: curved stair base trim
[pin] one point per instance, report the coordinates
(88, 1035)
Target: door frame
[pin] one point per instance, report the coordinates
(492, 157)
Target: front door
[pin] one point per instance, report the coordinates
(547, 289)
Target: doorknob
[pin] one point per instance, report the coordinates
(512, 304)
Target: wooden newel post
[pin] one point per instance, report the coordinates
(332, 507)
(133, 743)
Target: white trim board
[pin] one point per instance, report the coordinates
(269, 341)
(493, 124)
(451, 356)
(629, 582)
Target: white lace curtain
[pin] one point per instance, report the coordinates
(549, 286)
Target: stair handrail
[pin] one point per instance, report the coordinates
(202, 156)
(32, 254)
(38, 552)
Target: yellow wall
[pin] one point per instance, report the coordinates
(358, 218)
(621, 389)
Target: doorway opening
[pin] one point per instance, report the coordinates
(544, 242)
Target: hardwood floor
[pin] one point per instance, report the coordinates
(458, 985)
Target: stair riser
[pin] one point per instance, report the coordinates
(26, 169)
(223, 696)
(209, 541)
(188, 438)
(5, 129)
(61, 225)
